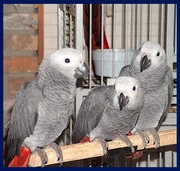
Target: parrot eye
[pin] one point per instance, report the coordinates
(134, 88)
(158, 54)
(67, 60)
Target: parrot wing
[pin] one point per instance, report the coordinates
(169, 88)
(125, 71)
(90, 112)
(23, 117)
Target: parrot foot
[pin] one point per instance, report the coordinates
(42, 154)
(58, 151)
(125, 139)
(103, 143)
(144, 137)
(155, 137)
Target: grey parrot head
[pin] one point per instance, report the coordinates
(150, 56)
(69, 62)
(129, 92)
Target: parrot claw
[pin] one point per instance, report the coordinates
(42, 154)
(125, 139)
(103, 144)
(147, 140)
(144, 137)
(155, 137)
(156, 144)
(58, 151)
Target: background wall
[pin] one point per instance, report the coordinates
(50, 28)
(152, 19)
(20, 46)
(23, 45)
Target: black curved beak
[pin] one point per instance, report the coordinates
(145, 63)
(123, 100)
(82, 72)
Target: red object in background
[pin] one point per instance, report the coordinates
(96, 27)
(106, 45)
(22, 159)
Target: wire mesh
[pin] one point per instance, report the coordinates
(126, 27)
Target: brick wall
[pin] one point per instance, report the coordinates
(21, 45)
(23, 49)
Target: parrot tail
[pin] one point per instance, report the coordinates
(22, 159)
(137, 154)
(84, 139)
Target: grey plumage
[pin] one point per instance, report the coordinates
(43, 106)
(149, 66)
(100, 114)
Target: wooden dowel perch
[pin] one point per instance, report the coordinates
(93, 149)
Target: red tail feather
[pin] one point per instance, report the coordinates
(84, 139)
(21, 160)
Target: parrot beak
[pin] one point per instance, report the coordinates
(82, 71)
(123, 101)
(145, 63)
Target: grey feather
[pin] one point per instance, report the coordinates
(100, 114)
(91, 111)
(44, 105)
(169, 89)
(156, 80)
(24, 117)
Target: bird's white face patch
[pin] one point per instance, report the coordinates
(129, 86)
(66, 61)
(70, 58)
(153, 51)
(126, 84)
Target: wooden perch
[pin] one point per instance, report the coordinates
(93, 149)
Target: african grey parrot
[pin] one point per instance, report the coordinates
(149, 66)
(44, 105)
(109, 112)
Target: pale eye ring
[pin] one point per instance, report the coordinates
(67, 60)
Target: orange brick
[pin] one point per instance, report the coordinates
(16, 82)
(24, 42)
(20, 64)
